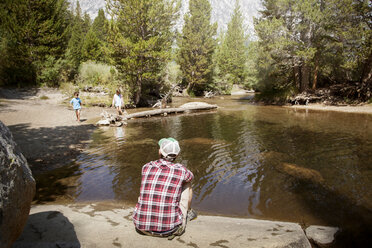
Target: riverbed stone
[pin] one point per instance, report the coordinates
(103, 123)
(321, 235)
(102, 225)
(197, 105)
(17, 188)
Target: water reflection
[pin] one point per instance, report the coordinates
(236, 154)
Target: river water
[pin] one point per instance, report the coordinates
(310, 167)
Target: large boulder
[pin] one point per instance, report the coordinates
(17, 188)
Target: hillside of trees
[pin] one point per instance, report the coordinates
(302, 46)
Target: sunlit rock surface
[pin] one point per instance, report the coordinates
(321, 235)
(102, 225)
(17, 188)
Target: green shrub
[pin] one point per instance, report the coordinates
(172, 73)
(223, 85)
(50, 72)
(94, 74)
(68, 88)
(275, 95)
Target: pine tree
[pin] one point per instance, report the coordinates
(196, 47)
(92, 48)
(99, 25)
(141, 36)
(232, 54)
(33, 31)
(86, 23)
(95, 46)
(303, 41)
(15, 64)
(76, 41)
(291, 34)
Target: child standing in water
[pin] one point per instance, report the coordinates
(117, 101)
(76, 104)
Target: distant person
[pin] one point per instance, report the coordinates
(76, 104)
(163, 207)
(118, 101)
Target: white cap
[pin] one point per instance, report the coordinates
(169, 146)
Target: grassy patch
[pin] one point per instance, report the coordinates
(68, 89)
(44, 97)
(97, 100)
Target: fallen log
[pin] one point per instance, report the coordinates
(184, 108)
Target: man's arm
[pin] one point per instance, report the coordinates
(188, 175)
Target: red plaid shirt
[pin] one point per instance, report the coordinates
(161, 187)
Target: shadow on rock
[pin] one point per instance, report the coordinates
(48, 229)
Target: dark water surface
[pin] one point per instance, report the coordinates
(237, 154)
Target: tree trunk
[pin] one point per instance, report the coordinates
(137, 96)
(296, 76)
(315, 75)
(189, 88)
(304, 77)
(367, 70)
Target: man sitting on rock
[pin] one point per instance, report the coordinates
(163, 207)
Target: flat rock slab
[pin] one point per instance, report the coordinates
(321, 235)
(96, 226)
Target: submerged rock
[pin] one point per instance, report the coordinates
(301, 173)
(321, 235)
(17, 188)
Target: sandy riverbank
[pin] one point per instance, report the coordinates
(44, 125)
(361, 109)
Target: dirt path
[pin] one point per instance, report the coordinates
(45, 127)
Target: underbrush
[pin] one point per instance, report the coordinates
(96, 74)
(97, 84)
(274, 96)
(68, 88)
(102, 101)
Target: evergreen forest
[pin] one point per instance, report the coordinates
(299, 46)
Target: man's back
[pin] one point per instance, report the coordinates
(158, 206)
